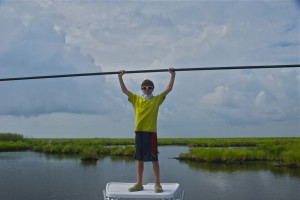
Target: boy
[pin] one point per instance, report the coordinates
(145, 112)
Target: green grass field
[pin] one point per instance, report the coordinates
(284, 151)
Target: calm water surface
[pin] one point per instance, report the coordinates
(37, 176)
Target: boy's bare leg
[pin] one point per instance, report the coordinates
(139, 182)
(156, 171)
(157, 187)
(140, 170)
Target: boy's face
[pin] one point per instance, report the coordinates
(147, 89)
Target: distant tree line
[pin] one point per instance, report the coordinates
(11, 137)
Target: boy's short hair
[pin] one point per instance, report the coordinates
(147, 82)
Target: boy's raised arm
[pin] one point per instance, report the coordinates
(123, 87)
(171, 82)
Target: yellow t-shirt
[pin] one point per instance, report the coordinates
(145, 111)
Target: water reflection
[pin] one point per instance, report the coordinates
(23, 175)
(88, 163)
(123, 159)
(112, 159)
(246, 167)
(60, 157)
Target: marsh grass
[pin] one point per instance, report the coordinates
(12, 142)
(283, 154)
(95, 153)
(225, 142)
(13, 146)
(89, 154)
(284, 151)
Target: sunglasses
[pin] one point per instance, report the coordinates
(147, 87)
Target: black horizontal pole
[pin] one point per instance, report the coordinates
(150, 71)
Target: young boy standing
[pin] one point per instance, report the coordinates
(145, 112)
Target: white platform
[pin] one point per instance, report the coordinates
(116, 191)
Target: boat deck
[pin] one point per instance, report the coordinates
(118, 191)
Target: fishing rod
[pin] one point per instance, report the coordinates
(150, 71)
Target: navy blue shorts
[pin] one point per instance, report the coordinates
(146, 146)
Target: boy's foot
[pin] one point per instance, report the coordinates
(158, 188)
(136, 187)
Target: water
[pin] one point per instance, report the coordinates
(37, 176)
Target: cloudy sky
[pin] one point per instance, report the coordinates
(44, 37)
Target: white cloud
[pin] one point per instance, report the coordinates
(55, 37)
(262, 97)
(38, 49)
(217, 97)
